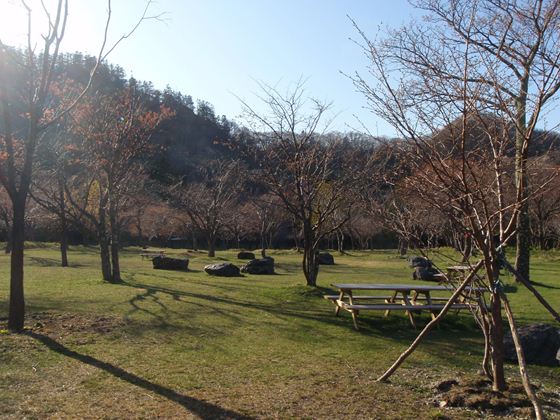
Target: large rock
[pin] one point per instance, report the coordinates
(420, 262)
(222, 270)
(245, 255)
(540, 343)
(166, 263)
(262, 266)
(425, 273)
(324, 258)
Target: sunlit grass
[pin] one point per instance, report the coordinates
(259, 345)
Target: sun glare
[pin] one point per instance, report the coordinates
(14, 23)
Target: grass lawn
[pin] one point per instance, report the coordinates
(174, 344)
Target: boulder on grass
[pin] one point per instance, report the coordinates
(540, 343)
(245, 255)
(324, 258)
(222, 270)
(420, 262)
(425, 273)
(166, 263)
(262, 266)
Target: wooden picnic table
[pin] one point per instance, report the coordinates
(408, 297)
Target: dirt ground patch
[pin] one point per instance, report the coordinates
(65, 324)
(477, 394)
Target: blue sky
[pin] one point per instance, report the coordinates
(216, 49)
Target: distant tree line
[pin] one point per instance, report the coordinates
(178, 175)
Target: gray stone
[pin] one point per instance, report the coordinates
(222, 270)
(262, 266)
(424, 273)
(166, 263)
(324, 258)
(245, 255)
(420, 262)
(540, 343)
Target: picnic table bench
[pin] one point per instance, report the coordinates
(403, 297)
(151, 254)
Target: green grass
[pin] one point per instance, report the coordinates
(175, 344)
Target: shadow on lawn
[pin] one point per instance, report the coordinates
(203, 409)
(395, 327)
(50, 262)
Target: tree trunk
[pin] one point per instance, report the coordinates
(340, 241)
(211, 246)
(522, 257)
(115, 263)
(497, 343)
(104, 249)
(310, 262)
(64, 246)
(105, 258)
(115, 236)
(263, 242)
(63, 222)
(17, 301)
(194, 242)
(403, 247)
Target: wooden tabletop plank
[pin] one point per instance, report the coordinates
(396, 287)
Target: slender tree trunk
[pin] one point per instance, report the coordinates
(211, 246)
(522, 258)
(63, 222)
(403, 247)
(63, 244)
(310, 262)
(497, 343)
(521, 360)
(17, 301)
(194, 242)
(115, 243)
(340, 241)
(104, 247)
(263, 242)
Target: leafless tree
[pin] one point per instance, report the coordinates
(268, 214)
(309, 173)
(444, 90)
(209, 201)
(39, 112)
(512, 56)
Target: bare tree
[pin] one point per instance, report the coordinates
(209, 201)
(268, 214)
(442, 95)
(22, 127)
(513, 57)
(310, 173)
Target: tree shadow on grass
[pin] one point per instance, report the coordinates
(395, 327)
(50, 262)
(203, 409)
(546, 286)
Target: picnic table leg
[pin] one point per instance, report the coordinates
(409, 313)
(429, 302)
(390, 300)
(353, 311)
(337, 309)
